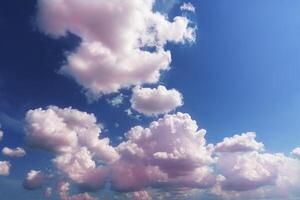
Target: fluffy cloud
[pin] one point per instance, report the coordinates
(172, 151)
(66, 130)
(155, 101)
(4, 168)
(64, 188)
(296, 152)
(188, 7)
(17, 152)
(240, 143)
(74, 137)
(141, 195)
(81, 168)
(1, 135)
(34, 180)
(122, 42)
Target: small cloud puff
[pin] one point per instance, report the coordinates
(188, 7)
(4, 168)
(155, 101)
(34, 180)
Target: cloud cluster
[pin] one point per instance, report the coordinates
(17, 152)
(155, 101)
(171, 152)
(33, 180)
(122, 42)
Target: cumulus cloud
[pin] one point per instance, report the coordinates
(296, 152)
(81, 168)
(188, 7)
(64, 188)
(155, 101)
(141, 195)
(17, 152)
(240, 143)
(74, 137)
(34, 180)
(67, 130)
(172, 151)
(122, 42)
(4, 168)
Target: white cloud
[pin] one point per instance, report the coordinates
(115, 37)
(240, 143)
(296, 152)
(17, 152)
(64, 188)
(4, 168)
(1, 135)
(155, 101)
(48, 192)
(188, 7)
(172, 151)
(116, 101)
(34, 180)
(74, 137)
(81, 168)
(141, 195)
(66, 130)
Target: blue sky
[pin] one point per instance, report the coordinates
(241, 74)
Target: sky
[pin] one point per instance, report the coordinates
(111, 99)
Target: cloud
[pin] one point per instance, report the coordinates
(80, 167)
(67, 130)
(122, 42)
(141, 195)
(48, 192)
(240, 143)
(17, 152)
(64, 188)
(34, 180)
(74, 138)
(188, 7)
(4, 168)
(172, 151)
(296, 152)
(155, 101)
(1, 135)
(116, 101)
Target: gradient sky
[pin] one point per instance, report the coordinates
(241, 75)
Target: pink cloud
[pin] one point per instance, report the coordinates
(4, 168)
(115, 36)
(34, 180)
(155, 101)
(17, 152)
